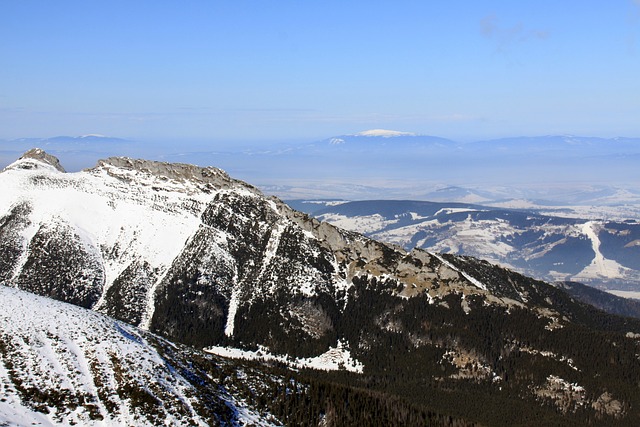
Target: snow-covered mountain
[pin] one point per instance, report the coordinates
(601, 253)
(208, 261)
(383, 139)
(65, 365)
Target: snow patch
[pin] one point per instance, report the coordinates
(467, 276)
(335, 359)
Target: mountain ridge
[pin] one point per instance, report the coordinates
(206, 261)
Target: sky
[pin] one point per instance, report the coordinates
(287, 70)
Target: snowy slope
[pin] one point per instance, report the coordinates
(64, 365)
(123, 222)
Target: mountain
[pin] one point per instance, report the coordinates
(77, 151)
(210, 262)
(583, 146)
(387, 139)
(389, 164)
(554, 170)
(601, 253)
(64, 365)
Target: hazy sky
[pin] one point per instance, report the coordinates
(226, 70)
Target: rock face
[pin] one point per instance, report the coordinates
(43, 157)
(205, 260)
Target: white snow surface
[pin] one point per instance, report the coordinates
(384, 133)
(467, 276)
(335, 359)
(140, 216)
(60, 348)
(600, 266)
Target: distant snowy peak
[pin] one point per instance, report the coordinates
(91, 137)
(385, 139)
(384, 133)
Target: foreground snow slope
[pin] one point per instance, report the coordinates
(64, 365)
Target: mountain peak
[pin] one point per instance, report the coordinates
(384, 133)
(40, 156)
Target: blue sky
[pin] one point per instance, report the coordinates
(285, 70)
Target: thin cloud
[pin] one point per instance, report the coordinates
(507, 36)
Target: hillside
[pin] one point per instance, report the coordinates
(601, 253)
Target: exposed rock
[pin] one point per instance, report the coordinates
(40, 155)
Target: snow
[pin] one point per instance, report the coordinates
(551, 355)
(12, 412)
(272, 247)
(56, 347)
(557, 381)
(384, 133)
(600, 266)
(233, 308)
(467, 276)
(140, 216)
(335, 359)
(448, 211)
(361, 224)
(326, 202)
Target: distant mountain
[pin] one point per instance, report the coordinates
(203, 259)
(380, 138)
(390, 164)
(65, 139)
(602, 300)
(583, 146)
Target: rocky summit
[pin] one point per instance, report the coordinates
(210, 262)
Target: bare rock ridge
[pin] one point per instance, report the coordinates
(40, 155)
(180, 172)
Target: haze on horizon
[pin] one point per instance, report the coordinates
(232, 84)
(238, 71)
